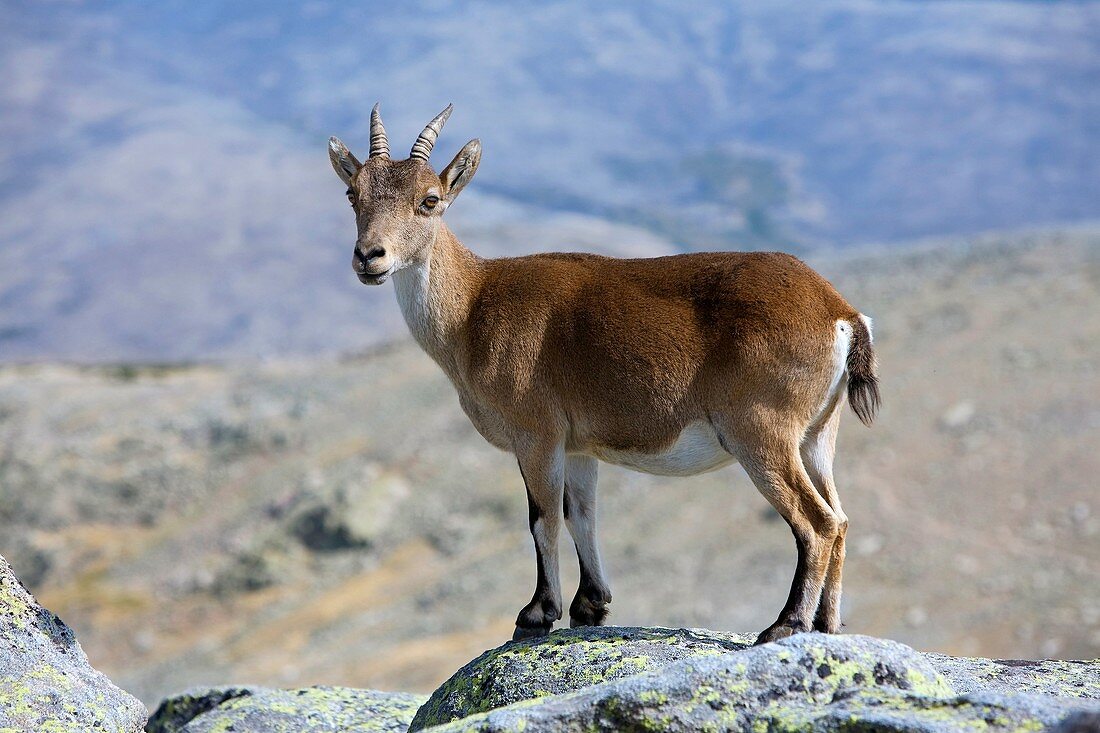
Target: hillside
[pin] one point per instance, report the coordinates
(339, 521)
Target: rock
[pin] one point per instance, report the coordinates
(639, 679)
(1059, 678)
(568, 660)
(354, 515)
(46, 682)
(578, 680)
(177, 711)
(246, 571)
(325, 529)
(1082, 722)
(267, 710)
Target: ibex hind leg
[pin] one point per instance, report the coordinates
(589, 606)
(818, 449)
(773, 462)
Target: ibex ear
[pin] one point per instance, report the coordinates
(343, 162)
(460, 170)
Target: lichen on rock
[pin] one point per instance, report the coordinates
(1057, 677)
(565, 661)
(46, 682)
(267, 710)
(808, 682)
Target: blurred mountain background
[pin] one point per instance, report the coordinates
(164, 191)
(223, 461)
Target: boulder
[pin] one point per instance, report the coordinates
(582, 680)
(267, 710)
(46, 682)
(565, 661)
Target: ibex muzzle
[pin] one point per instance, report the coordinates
(670, 365)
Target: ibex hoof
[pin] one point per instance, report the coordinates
(530, 632)
(585, 613)
(779, 631)
(595, 620)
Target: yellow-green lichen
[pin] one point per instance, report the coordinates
(15, 605)
(564, 661)
(930, 685)
(653, 697)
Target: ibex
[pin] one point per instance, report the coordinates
(670, 365)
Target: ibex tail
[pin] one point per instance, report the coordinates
(863, 394)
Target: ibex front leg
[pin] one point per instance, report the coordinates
(543, 469)
(589, 606)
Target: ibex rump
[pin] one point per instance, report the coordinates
(670, 365)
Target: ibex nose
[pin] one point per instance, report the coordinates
(362, 259)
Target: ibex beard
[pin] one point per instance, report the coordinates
(669, 365)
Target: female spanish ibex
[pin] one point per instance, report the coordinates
(670, 365)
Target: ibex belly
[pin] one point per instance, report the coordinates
(696, 450)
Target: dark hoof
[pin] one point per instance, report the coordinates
(779, 631)
(825, 627)
(583, 612)
(530, 632)
(596, 618)
(538, 616)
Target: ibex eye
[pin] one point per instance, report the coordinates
(431, 202)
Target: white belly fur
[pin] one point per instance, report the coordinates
(696, 450)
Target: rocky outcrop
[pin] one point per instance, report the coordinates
(687, 680)
(46, 682)
(564, 662)
(643, 679)
(653, 679)
(308, 710)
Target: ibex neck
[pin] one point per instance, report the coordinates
(435, 296)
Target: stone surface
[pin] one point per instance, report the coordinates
(575, 680)
(1081, 722)
(1061, 678)
(267, 710)
(565, 661)
(46, 682)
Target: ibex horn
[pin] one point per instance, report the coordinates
(422, 148)
(379, 143)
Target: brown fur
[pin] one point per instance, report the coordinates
(565, 358)
(624, 353)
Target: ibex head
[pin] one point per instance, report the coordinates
(398, 203)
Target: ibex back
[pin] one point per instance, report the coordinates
(670, 365)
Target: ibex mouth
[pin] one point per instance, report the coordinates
(368, 279)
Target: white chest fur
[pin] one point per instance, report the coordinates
(412, 286)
